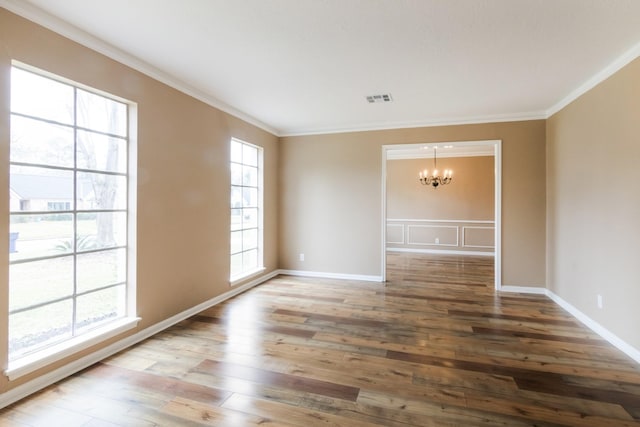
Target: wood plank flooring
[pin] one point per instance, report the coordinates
(434, 346)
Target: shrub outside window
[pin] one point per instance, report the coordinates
(69, 205)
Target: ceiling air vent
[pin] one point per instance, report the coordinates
(385, 97)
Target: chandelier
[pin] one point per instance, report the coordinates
(434, 179)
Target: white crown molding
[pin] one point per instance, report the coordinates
(596, 79)
(32, 13)
(40, 17)
(367, 127)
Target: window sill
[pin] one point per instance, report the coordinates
(236, 280)
(32, 362)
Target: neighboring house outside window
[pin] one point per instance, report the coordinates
(69, 213)
(246, 209)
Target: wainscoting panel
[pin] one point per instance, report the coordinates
(433, 235)
(395, 234)
(478, 237)
(441, 236)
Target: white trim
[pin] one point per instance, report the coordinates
(449, 121)
(476, 246)
(464, 235)
(403, 233)
(325, 275)
(74, 33)
(40, 359)
(603, 332)
(383, 205)
(71, 368)
(596, 79)
(497, 146)
(440, 156)
(390, 148)
(109, 328)
(497, 240)
(612, 338)
(409, 242)
(471, 221)
(448, 152)
(234, 281)
(78, 35)
(440, 251)
(70, 82)
(259, 187)
(524, 290)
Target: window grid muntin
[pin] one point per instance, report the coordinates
(75, 211)
(85, 129)
(65, 298)
(257, 206)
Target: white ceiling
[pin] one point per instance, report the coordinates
(306, 66)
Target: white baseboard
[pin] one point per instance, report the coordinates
(524, 290)
(303, 273)
(613, 339)
(604, 333)
(440, 251)
(49, 378)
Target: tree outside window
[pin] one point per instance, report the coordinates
(68, 211)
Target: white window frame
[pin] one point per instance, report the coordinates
(40, 358)
(234, 280)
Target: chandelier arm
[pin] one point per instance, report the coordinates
(435, 180)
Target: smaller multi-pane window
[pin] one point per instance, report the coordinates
(246, 209)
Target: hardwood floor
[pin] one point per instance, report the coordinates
(434, 346)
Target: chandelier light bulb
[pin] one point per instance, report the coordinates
(435, 180)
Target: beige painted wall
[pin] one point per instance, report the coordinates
(183, 176)
(470, 196)
(593, 203)
(331, 198)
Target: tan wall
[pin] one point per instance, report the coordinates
(442, 218)
(183, 176)
(593, 201)
(470, 196)
(331, 198)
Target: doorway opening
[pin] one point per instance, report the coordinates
(456, 235)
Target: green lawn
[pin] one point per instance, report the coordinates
(37, 282)
(50, 229)
(47, 238)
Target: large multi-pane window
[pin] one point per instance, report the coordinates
(68, 211)
(246, 209)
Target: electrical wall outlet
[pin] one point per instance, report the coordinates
(301, 257)
(437, 240)
(600, 304)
